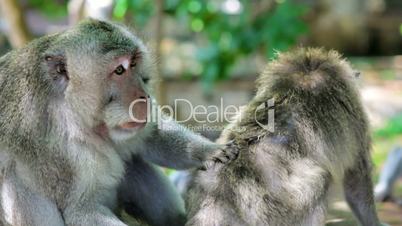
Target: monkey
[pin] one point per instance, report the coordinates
(291, 153)
(70, 151)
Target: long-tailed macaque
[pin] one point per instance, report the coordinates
(315, 136)
(66, 133)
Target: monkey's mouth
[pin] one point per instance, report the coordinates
(128, 126)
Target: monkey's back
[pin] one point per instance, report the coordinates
(284, 171)
(274, 181)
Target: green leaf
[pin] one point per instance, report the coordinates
(120, 8)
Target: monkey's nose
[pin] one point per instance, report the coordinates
(111, 99)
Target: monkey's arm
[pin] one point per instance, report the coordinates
(171, 145)
(146, 193)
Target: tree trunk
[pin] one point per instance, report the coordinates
(18, 33)
(159, 90)
(75, 11)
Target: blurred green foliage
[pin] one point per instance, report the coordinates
(400, 29)
(231, 37)
(385, 139)
(49, 8)
(138, 11)
(393, 128)
(228, 37)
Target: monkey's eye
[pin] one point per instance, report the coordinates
(57, 67)
(61, 69)
(357, 74)
(133, 64)
(119, 70)
(145, 80)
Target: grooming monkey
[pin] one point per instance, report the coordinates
(66, 133)
(282, 177)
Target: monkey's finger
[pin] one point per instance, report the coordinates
(208, 165)
(232, 153)
(203, 168)
(230, 143)
(220, 159)
(224, 158)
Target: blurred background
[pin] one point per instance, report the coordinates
(205, 50)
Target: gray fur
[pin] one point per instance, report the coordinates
(321, 139)
(57, 166)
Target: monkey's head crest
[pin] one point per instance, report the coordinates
(308, 71)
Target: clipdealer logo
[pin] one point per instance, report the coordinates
(201, 114)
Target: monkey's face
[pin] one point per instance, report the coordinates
(100, 74)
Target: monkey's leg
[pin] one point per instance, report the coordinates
(20, 206)
(359, 193)
(88, 212)
(146, 193)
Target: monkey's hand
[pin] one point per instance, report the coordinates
(223, 155)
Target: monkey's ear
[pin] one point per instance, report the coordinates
(57, 70)
(357, 74)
